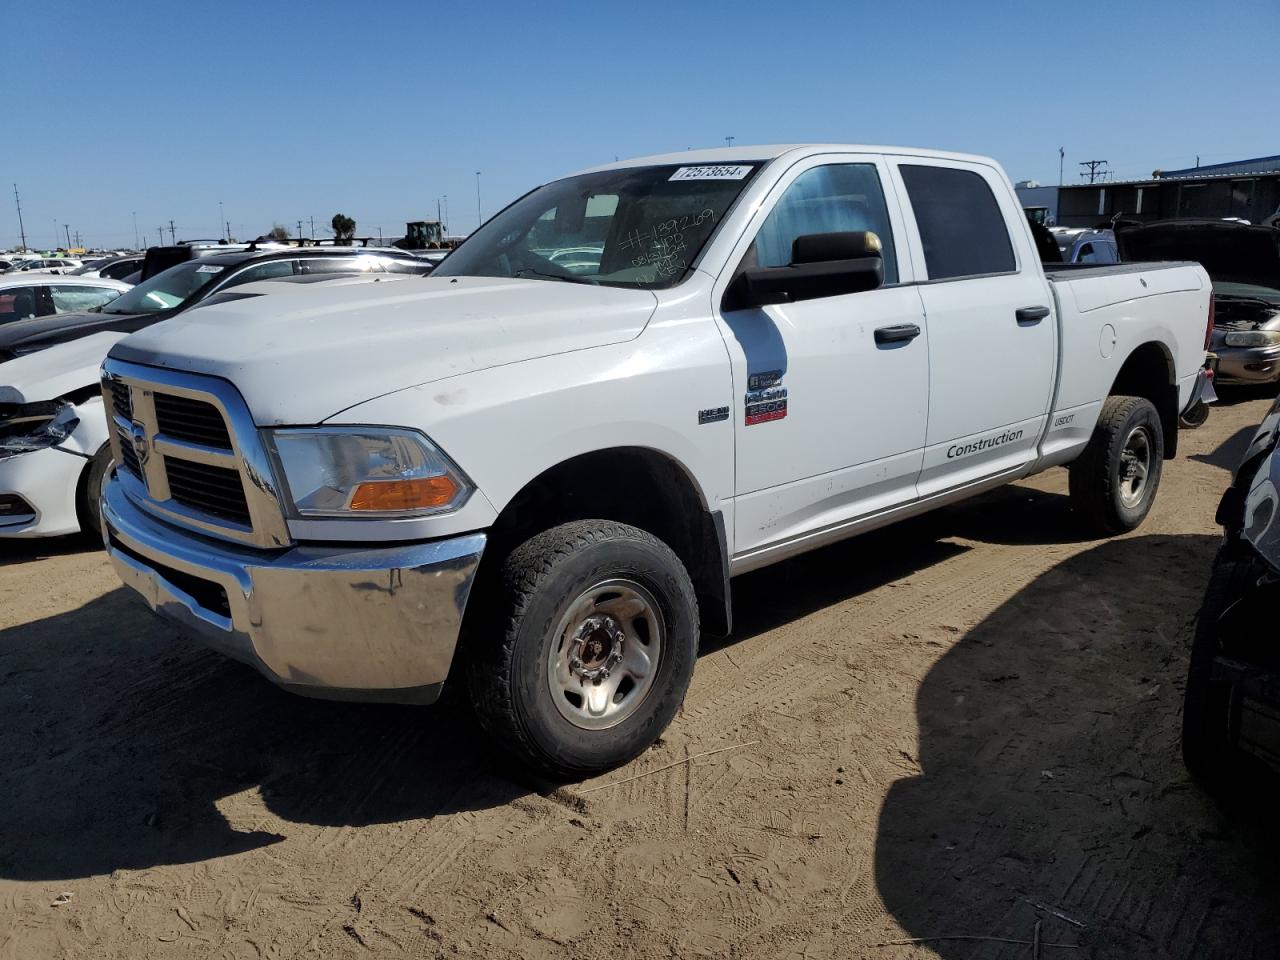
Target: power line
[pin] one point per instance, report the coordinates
(1094, 171)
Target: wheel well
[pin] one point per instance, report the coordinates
(1148, 372)
(632, 485)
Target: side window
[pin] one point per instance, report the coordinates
(831, 199)
(69, 299)
(118, 271)
(262, 271)
(961, 227)
(17, 303)
(1085, 254)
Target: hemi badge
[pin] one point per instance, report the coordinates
(713, 415)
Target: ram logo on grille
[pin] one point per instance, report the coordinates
(138, 440)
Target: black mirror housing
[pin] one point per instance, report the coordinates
(822, 265)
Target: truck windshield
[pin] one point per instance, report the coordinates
(167, 289)
(635, 227)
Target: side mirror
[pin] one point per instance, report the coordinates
(822, 265)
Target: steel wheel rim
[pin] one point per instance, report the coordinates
(604, 654)
(1135, 466)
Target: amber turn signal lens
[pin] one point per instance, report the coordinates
(417, 494)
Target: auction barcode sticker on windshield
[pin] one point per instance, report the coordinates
(208, 268)
(711, 173)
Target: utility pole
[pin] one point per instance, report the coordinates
(479, 216)
(1094, 171)
(379, 234)
(729, 140)
(55, 233)
(21, 229)
(136, 242)
(439, 218)
(444, 222)
(160, 230)
(313, 227)
(173, 234)
(299, 229)
(67, 228)
(228, 225)
(1062, 153)
(222, 218)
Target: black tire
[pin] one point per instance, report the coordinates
(508, 657)
(1207, 714)
(1195, 417)
(89, 505)
(1097, 477)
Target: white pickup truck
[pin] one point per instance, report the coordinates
(537, 470)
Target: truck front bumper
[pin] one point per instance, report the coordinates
(337, 622)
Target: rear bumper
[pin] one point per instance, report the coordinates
(337, 622)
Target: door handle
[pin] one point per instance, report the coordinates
(1029, 316)
(898, 333)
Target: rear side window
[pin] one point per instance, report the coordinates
(69, 299)
(961, 227)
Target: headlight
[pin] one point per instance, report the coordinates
(1253, 338)
(366, 471)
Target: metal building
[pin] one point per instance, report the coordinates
(1247, 189)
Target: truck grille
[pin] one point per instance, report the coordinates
(121, 401)
(192, 420)
(215, 490)
(189, 452)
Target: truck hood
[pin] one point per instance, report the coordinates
(55, 372)
(302, 356)
(1229, 251)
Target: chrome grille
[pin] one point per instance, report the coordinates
(216, 490)
(190, 453)
(121, 402)
(192, 420)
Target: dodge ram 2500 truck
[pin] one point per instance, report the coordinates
(536, 471)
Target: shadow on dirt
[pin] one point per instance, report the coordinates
(119, 739)
(22, 551)
(1051, 773)
(1229, 452)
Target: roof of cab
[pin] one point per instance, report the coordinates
(748, 154)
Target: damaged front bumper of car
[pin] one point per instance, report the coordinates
(42, 459)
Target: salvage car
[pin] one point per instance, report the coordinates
(539, 482)
(178, 288)
(114, 268)
(1243, 262)
(54, 448)
(28, 296)
(1231, 713)
(53, 440)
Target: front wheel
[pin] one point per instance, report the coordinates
(593, 649)
(1114, 481)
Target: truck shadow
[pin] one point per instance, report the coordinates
(120, 739)
(1051, 775)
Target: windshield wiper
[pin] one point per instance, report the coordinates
(567, 278)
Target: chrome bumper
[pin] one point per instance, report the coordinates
(340, 623)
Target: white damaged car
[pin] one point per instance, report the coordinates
(54, 445)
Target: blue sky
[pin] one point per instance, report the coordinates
(284, 111)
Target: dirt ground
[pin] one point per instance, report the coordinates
(957, 727)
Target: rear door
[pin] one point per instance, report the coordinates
(992, 337)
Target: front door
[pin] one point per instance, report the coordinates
(830, 421)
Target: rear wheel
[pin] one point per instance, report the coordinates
(1114, 481)
(591, 652)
